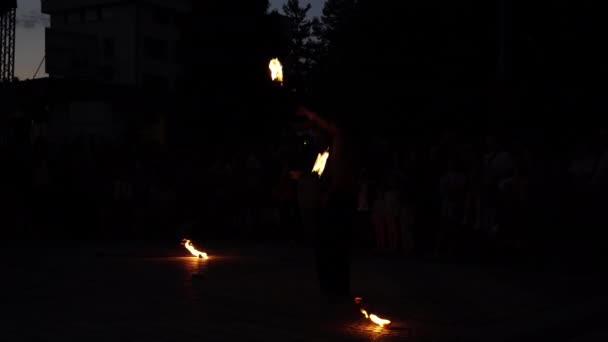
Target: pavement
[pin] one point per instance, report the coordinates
(77, 292)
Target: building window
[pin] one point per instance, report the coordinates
(107, 13)
(155, 82)
(79, 61)
(109, 47)
(181, 50)
(161, 17)
(181, 84)
(156, 49)
(108, 73)
(90, 15)
(73, 17)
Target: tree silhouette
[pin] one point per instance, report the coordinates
(332, 33)
(299, 56)
(335, 20)
(382, 57)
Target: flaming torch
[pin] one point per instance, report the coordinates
(383, 323)
(319, 166)
(276, 70)
(190, 247)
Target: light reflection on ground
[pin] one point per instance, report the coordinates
(113, 295)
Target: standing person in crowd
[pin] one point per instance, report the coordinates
(598, 189)
(379, 216)
(392, 210)
(599, 179)
(453, 188)
(407, 210)
(497, 166)
(364, 227)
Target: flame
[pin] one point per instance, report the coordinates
(194, 251)
(320, 163)
(364, 312)
(276, 70)
(384, 323)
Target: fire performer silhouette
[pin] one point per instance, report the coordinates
(333, 235)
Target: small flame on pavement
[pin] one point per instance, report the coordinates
(276, 70)
(319, 166)
(384, 323)
(190, 247)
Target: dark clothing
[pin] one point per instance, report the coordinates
(333, 245)
(334, 236)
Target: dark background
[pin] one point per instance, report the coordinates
(420, 85)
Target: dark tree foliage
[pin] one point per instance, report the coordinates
(449, 61)
(298, 61)
(391, 59)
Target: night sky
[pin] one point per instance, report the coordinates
(30, 34)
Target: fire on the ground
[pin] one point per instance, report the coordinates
(190, 247)
(384, 323)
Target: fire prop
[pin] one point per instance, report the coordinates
(194, 251)
(384, 323)
(276, 70)
(320, 163)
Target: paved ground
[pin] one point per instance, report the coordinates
(265, 293)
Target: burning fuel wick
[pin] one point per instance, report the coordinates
(384, 323)
(194, 251)
(319, 166)
(276, 70)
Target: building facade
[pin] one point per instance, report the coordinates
(128, 42)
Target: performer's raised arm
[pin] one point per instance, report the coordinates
(330, 127)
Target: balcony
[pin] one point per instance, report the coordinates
(58, 6)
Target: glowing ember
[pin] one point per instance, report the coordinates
(194, 251)
(384, 323)
(320, 163)
(276, 70)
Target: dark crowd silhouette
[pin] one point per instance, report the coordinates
(450, 195)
